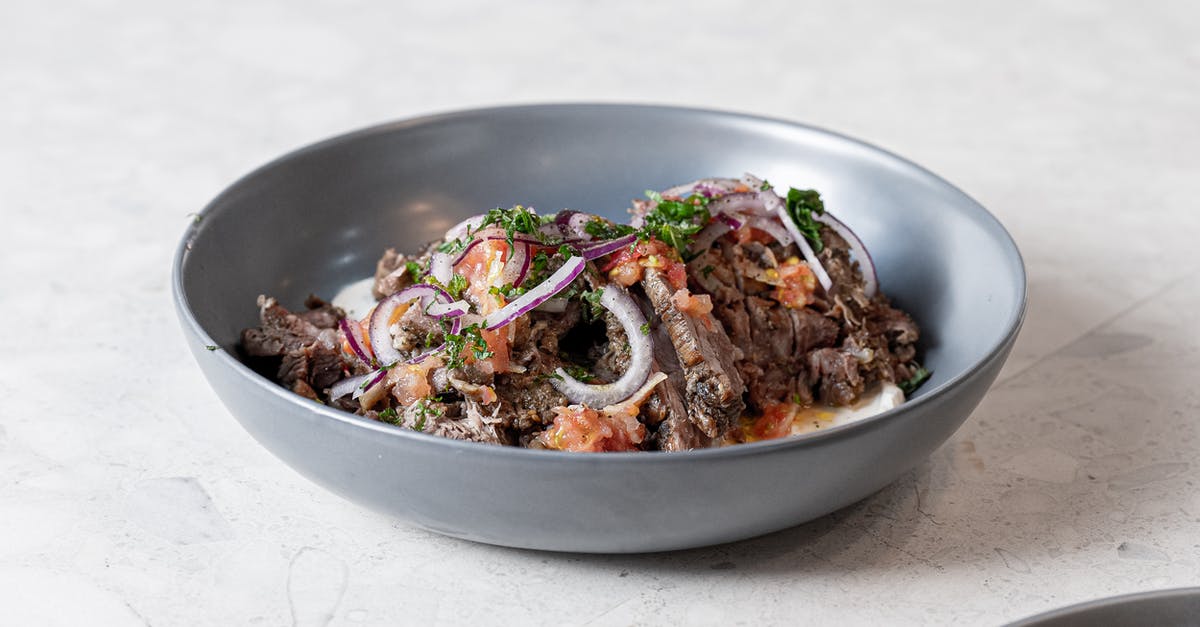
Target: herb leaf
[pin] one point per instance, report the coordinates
(801, 205)
(675, 222)
(912, 383)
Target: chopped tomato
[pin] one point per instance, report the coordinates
(797, 284)
(627, 265)
(691, 304)
(498, 343)
(751, 234)
(775, 422)
(410, 382)
(480, 267)
(581, 428)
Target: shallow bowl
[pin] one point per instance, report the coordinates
(319, 217)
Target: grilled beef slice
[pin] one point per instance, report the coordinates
(302, 349)
(713, 389)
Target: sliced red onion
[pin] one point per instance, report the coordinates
(734, 222)
(512, 266)
(523, 270)
(739, 202)
(556, 283)
(466, 226)
(753, 182)
(641, 351)
(448, 310)
(813, 263)
(440, 267)
(606, 248)
(524, 239)
(709, 234)
(772, 227)
(348, 385)
(573, 224)
(870, 279)
(373, 379)
(381, 335)
(353, 333)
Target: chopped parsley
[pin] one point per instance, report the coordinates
(802, 204)
(424, 410)
(765, 186)
(603, 229)
(645, 328)
(515, 220)
(707, 270)
(675, 222)
(389, 415)
(592, 298)
(456, 286)
(912, 383)
(579, 373)
(468, 339)
(454, 246)
(211, 347)
(415, 270)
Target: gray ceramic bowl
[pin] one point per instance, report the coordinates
(319, 217)
(1179, 607)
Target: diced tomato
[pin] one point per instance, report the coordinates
(627, 265)
(580, 428)
(499, 345)
(775, 422)
(692, 304)
(797, 284)
(410, 382)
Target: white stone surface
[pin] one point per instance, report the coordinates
(129, 496)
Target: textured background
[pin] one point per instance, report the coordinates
(129, 496)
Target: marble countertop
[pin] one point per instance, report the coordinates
(130, 496)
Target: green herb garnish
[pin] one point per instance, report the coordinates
(645, 328)
(603, 229)
(456, 286)
(468, 339)
(579, 373)
(675, 222)
(707, 270)
(515, 220)
(912, 383)
(592, 298)
(389, 415)
(802, 204)
(415, 270)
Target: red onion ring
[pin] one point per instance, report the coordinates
(347, 385)
(381, 335)
(608, 247)
(772, 227)
(641, 352)
(870, 279)
(462, 228)
(353, 333)
(528, 301)
(709, 234)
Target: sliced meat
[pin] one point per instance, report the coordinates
(835, 373)
(391, 274)
(713, 388)
(300, 348)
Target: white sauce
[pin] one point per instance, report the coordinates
(885, 397)
(356, 298)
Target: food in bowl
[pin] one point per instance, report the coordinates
(723, 313)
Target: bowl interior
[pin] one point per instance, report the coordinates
(320, 217)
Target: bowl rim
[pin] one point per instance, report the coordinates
(1012, 324)
(1073, 610)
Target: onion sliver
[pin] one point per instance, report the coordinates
(348, 385)
(805, 249)
(381, 319)
(353, 333)
(738, 202)
(772, 227)
(709, 234)
(641, 352)
(870, 279)
(440, 267)
(545, 290)
(596, 251)
(443, 310)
